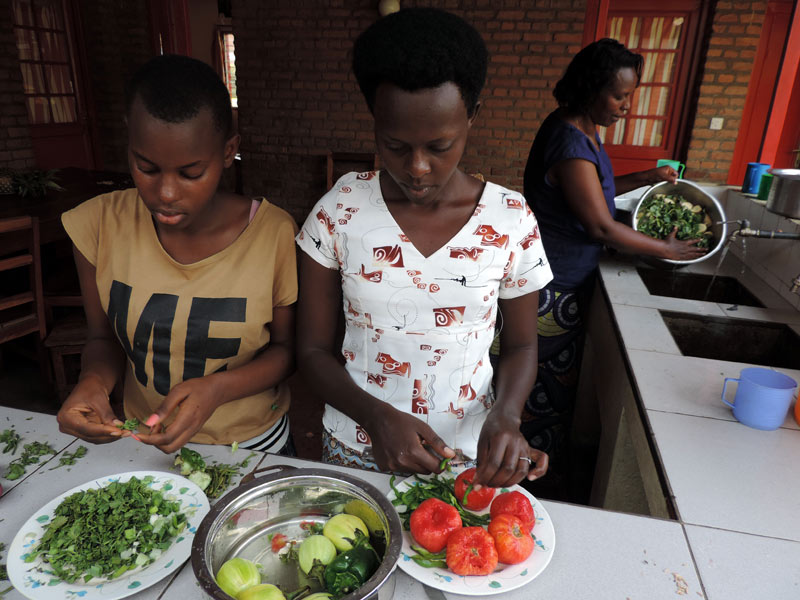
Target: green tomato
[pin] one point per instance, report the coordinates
(236, 575)
(341, 530)
(262, 591)
(315, 547)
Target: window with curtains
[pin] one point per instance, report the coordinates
(229, 66)
(224, 57)
(41, 34)
(669, 36)
(657, 39)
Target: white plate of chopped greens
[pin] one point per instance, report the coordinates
(52, 556)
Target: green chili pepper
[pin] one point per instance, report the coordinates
(352, 568)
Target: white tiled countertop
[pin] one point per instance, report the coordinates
(599, 554)
(736, 489)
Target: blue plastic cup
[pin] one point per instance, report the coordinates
(752, 177)
(762, 397)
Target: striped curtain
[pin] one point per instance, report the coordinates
(41, 37)
(657, 40)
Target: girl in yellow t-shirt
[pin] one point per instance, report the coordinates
(189, 290)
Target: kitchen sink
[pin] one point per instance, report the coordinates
(694, 286)
(736, 340)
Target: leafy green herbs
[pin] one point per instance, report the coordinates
(129, 425)
(661, 213)
(107, 531)
(11, 439)
(434, 487)
(30, 456)
(212, 479)
(69, 459)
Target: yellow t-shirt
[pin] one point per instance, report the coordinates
(175, 321)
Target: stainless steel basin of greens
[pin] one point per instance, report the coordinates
(695, 286)
(735, 340)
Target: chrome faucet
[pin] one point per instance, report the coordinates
(745, 231)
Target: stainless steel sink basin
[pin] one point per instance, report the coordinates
(693, 286)
(736, 340)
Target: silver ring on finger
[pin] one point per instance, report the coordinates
(528, 458)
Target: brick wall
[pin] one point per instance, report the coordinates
(117, 42)
(298, 98)
(16, 151)
(731, 50)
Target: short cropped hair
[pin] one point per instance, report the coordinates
(419, 48)
(592, 70)
(176, 88)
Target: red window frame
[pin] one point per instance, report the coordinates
(681, 105)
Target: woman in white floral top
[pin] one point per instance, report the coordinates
(423, 260)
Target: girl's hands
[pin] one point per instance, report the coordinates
(192, 402)
(403, 443)
(682, 249)
(87, 414)
(501, 453)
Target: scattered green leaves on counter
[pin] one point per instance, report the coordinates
(107, 531)
(212, 479)
(30, 456)
(11, 439)
(661, 213)
(70, 458)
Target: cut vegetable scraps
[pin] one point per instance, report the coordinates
(69, 459)
(11, 439)
(30, 456)
(107, 531)
(212, 479)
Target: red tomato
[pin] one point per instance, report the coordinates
(432, 523)
(278, 541)
(517, 504)
(471, 551)
(476, 499)
(514, 544)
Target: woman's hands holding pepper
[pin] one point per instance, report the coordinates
(501, 449)
(404, 443)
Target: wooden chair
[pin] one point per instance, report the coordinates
(339, 163)
(67, 338)
(21, 301)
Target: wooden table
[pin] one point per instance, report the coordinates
(78, 184)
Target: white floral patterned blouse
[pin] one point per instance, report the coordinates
(418, 330)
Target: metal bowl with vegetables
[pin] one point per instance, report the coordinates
(688, 207)
(274, 524)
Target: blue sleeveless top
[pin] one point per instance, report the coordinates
(572, 254)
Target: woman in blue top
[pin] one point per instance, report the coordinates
(570, 185)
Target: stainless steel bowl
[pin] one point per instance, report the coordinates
(240, 524)
(694, 194)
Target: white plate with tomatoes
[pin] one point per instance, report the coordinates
(505, 577)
